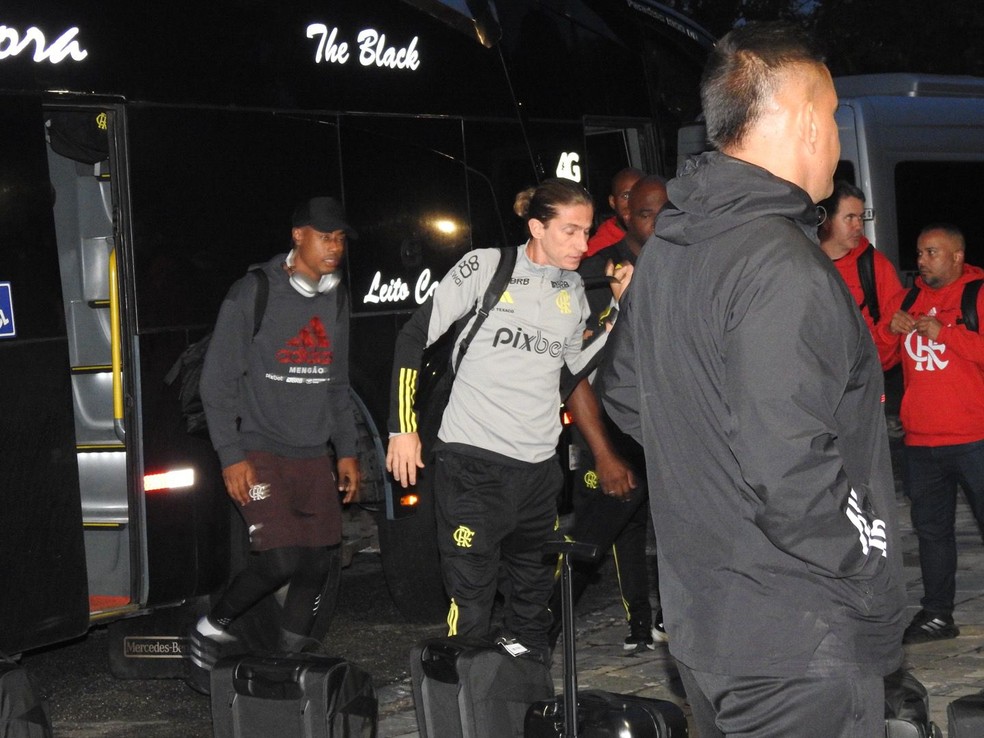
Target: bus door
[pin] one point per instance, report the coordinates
(96, 320)
(613, 144)
(43, 599)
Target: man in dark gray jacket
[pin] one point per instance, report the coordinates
(743, 366)
(275, 387)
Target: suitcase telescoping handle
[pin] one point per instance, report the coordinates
(570, 550)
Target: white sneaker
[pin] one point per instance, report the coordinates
(208, 629)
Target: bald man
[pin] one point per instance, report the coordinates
(610, 501)
(612, 230)
(942, 355)
(743, 366)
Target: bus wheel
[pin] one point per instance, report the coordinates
(411, 563)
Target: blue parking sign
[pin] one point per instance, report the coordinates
(7, 329)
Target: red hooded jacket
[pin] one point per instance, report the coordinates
(608, 233)
(887, 282)
(943, 403)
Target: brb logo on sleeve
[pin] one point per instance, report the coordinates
(520, 339)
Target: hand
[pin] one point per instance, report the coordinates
(349, 478)
(615, 476)
(621, 275)
(238, 478)
(902, 323)
(403, 458)
(928, 326)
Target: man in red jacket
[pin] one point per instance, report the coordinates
(842, 239)
(612, 230)
(942, 413)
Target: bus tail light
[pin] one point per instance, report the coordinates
(172, 479)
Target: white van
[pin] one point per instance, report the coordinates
(915, 145)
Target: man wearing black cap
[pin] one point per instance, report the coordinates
(275, 387)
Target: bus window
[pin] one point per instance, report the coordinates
(212, 192)
(405, 189)
(845, 171)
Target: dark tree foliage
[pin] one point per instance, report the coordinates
(718, 16)
(868, 36)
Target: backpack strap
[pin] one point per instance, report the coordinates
(497, 285)
(866, 273)
(909, 298)
(968, 305)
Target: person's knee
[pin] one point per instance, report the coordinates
(320, 561)
(277, 565)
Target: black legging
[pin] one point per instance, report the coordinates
(306, 569)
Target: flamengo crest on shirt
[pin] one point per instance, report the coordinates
(927, 355)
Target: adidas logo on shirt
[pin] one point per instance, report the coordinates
(310, 346)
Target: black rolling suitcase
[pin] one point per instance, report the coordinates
(463, 690)
(907, 708)
(303, 695)
(965, 717)
(595, 713)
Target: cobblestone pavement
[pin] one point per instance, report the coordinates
(948, 669)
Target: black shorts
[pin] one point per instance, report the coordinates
(302, 506)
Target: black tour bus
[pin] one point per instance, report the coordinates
(150, 154)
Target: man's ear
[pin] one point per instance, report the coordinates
(808, 127)
(536, 228)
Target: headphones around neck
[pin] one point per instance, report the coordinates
(307, 286)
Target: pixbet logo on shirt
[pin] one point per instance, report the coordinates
(523, 341)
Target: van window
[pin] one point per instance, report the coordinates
(939, 191)
(845, 171)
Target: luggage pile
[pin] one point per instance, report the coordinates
(466, 690)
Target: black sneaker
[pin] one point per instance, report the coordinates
(640, 638)
(927, 626)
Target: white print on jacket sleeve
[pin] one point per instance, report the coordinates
(871, 534)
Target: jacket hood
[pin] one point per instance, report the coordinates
(715, 193)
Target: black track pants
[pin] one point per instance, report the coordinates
(492, 521)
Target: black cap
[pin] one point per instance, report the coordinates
(324, 214)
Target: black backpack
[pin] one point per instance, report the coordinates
(866, 273)
(968, 303)
(189, 364)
